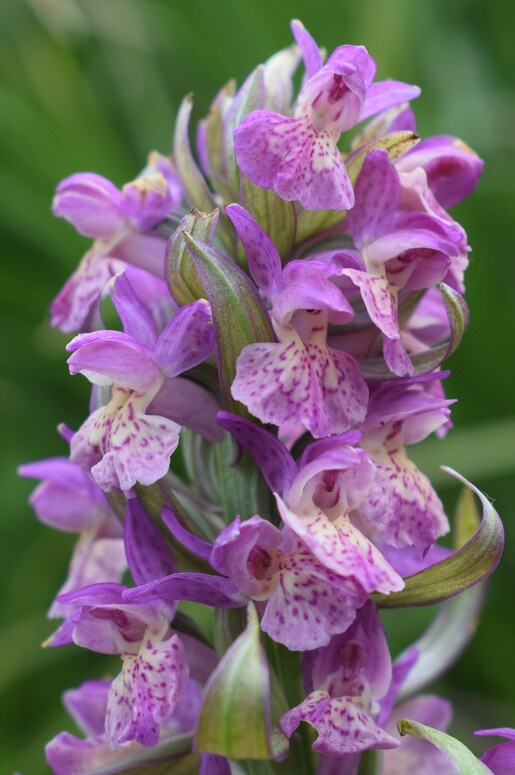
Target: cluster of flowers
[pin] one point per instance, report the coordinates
(293, 324)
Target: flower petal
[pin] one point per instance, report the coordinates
(146, 692)
(343, 728)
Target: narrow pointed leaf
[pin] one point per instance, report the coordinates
(457, 619)
(250, 97)
(463, 759)
(194, 185)
(235, 716)
(214, 140)
(475, 561)
(181, 273)
(425, 362)
(238, 313)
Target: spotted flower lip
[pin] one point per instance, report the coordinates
(298, 156)
(299, 378)
(154, 671)
(347, 678)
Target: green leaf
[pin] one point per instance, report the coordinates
(475, 561)
(251, 96)
(238, 313)
(229, 623)
(195, 187)
(235, 716)
(275, 215)
(181, 273)
(214, 140)
(425, 362)
(187, 765)
(457, 619)
(463, 759)
(170, 758)
(311, 223)
(396, 143)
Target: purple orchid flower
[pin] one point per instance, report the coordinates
(68, 500)
(303, 603)
(131, 438)
(119, 222)
(298, 156)
(346, 680)
(317, 498)
(299, 378)
(155, 670)
(402, 505)
(398, 249)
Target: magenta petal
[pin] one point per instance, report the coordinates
(288, 155)
(91, 203)
(310, 603)
(187, 340)
(386, 94)
(342, 726)
(105, 357)
(341, 548)
(198, 587)
(66, 499)
(300, 382)
(94, 560)
(82, 291)
(273, 458)
(210, 764)
(122, 445)
(262, 256)
(146, 692)
(148, 556)
(402, 505)
(314, 173)
(70, 755)
(87, 705)
(135, 316)
(309, 49)
(308, 285)
(197, 545)
(189, 404)
(377, 194)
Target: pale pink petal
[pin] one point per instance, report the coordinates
(82, 291)
(122, 445)
(146, 692)
(107, 357)
(342, 548)
(310, 603)
(301, 382)
(402, 505)
(342, 726)
(290, 156)
(309, 49)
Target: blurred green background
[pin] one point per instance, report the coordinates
(94, 85)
